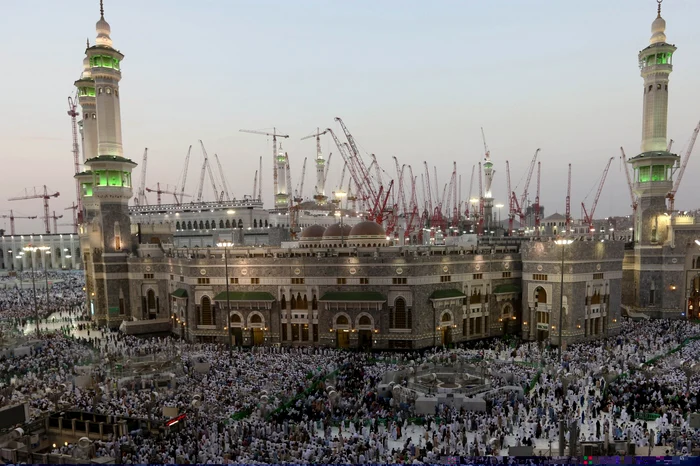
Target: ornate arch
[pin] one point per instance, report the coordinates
(337, 316)
(446, 317)
(236, 318)
(251, 319)
(359, 317)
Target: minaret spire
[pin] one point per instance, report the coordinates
(102, 9)
(658, 10)
(87, 43)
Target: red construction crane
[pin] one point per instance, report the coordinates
(12, 221)
(537, 201)
(175, 194)
(54, 217)
(511, 202)
(73, 114)
(672, 195)
(274, 135)
(567, 216)
(588, 217)
(45, 196)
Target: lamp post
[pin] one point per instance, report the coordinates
(562, 243)
(226, 245)
(33, 249)
(46, 275)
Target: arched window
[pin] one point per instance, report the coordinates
(306, 302)
(221, 223)
(401, 315)
(294, 302)
(283, 302)
(540, 295)
(300, 302)
(58, 253)
(365, 320)
(255, 223)
(507, 309)
(446, 317)
(341, 320)
(265, 223)
(206, 224)
(240, 223)
(235, 319)
(177, 225)
(314, 303)
(189, 225)
(228, 223)
(206, 314)
(201, 225)
(255, 319)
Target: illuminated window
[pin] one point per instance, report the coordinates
(341, 281)
(477, 276)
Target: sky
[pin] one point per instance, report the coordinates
(411, 79)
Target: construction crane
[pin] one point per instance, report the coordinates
(291, 208)
(12, 220)
(206, 168)
(588, 217)
(184, 176)
(299, 192)
(45, 196)
(255, 184)
(672, 194)
(325, 174)
(74, 208)
(480, 219)
(141, 193)
(467, 212)
(567, 217)
(274, 135)
(158, 191)
(537, 202)
(511, 203)
(224, 184)
(55, 217)
(518, 205)
(73, 114)
(633, 199)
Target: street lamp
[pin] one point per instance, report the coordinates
(33, 249)
(226, 245)
(562, 243)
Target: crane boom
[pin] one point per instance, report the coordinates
(73, 114)
(200, 186)
(260, 181)
(141, 195)
(274, 135)
(511, 204)
(184, 174)
(523, 197)
(12, 220)
(633, 198)
(686, 157)
(588, 217)
(45, 196)
(537, 201)
(325, 174)
(567, 223)
(224, 184)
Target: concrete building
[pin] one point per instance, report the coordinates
(63, 253)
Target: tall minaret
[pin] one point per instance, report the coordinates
(655, 62)
(654, 167)
(281, 198)
(86, 98)
(320, 189)
(488, 180)
(105, 70)
(105, 235)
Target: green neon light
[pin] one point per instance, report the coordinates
(658, 173)
(87, 189)
(644, 174)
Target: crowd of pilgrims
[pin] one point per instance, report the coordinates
(66, 294)
(306, 405)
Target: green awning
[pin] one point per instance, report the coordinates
(506, 288)
(179, 293)
(356, 296)
(447, 294)
(245, 296)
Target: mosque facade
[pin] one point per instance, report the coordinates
(343, 284)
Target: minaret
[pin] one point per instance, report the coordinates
(320, 190)
(105, 70)
(488, 180)
(105, 235)
(281, 198)
(86, 98)
(653, 168)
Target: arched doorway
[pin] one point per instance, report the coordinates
(151, 304)
(446, 328)
(257, 333)
(542, 313)
(342, 332)
(364, 336)
(236, 330)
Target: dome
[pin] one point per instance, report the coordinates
(313, 232)
(103, 29)
(337, 231)
(368, 229)
(86, 69)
